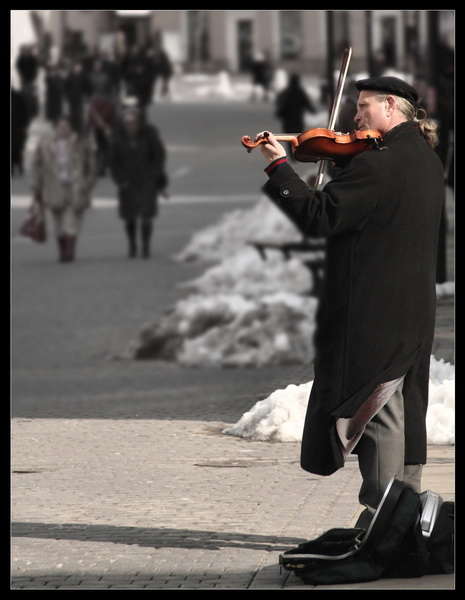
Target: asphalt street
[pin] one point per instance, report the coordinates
(121, 477)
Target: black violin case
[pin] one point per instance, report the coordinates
(394, 545)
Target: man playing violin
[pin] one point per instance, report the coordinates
(375, 322)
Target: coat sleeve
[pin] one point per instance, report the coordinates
(344, 203)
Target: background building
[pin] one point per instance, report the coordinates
(208, 40)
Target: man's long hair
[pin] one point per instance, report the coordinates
(428, 127)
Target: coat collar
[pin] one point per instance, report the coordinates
(400, 129)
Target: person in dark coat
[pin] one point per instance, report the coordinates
(54, 92)
(27, 66)
(100, 122)
(376, 316)
(139, 73)
(19, 123)
(262, 76)
(165, 71)
(137, 165)
(77, 89)
(345, 121)
(292, 104)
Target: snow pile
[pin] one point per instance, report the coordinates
(445, 289)
(244, 311)
(248, 274)
(440, 418)
(218, 87)
(236, 228)
(280, 417)
(231, 330)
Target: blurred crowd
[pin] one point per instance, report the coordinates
(96, 123)
(90, 90)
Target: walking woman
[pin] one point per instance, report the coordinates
(63, 172)
(137, 165)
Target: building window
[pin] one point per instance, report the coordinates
(290, 24)
(198, 41)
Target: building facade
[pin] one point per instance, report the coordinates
(209, 40)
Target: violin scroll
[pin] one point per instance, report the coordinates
(262, 138)
(250, 144)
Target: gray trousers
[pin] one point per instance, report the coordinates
(381, 449)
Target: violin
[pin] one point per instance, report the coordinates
(321, 144)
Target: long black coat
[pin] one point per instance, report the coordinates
(137, 166)
(376, 314)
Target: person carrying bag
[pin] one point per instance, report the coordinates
(34, 227)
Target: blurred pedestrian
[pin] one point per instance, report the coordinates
(112, 69)
(165, 72)
(138, 71)
(292, 104)
(137, 165)
(345, 121)
(77, 89)
(262, 76)
(54, 92)
(62, 174)
(27, 66)
(19, 123)
(98, 78)
(375, 324)
(100, 122)
(148, 83)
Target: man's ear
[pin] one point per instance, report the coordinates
(391, 103)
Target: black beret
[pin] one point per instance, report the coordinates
(388, 85)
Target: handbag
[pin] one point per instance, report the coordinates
(34, 226)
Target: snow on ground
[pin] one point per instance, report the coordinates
(445, 289)
(236, 228)
(222, 87)
(232, 330)
(244, 310)
(246, 273)
(280, 417)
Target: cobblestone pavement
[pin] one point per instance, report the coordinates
(121, 477)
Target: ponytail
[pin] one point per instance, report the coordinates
(428, 127)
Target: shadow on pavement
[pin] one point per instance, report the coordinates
(154, 537)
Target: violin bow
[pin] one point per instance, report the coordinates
(335, 108)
